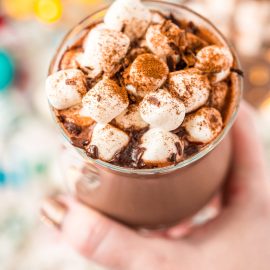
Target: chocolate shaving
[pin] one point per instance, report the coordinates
(154, 101)
(138, 153)
(179, 148)
(192, 28)
(172, 158)
(132, 99)
(181, 65)
(238, 71)
(62, 118)
(73, 128)
(85, 142)
(174, 47)
(124, 28)
(191, 149)
(170, 63)
(116, 156)
(180, 131)
(92, 151)
(172, 18)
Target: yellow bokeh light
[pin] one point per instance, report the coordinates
(92, 2)
(18, 9)
(48, 11)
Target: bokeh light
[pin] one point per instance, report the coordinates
(48, 11)
(18, 9)
(6, 70)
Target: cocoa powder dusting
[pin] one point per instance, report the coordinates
(70, 82)
(150, 66)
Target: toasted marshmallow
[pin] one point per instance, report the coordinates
(161, 147)
(191, 86)
(147, 73)
(204, 125)
(165, 39)
(162, 110)
(104, 49)
(65, 88)
(215, 60)
(105, 101)
(131, 119)
(108, 140)
(218, 95)
(129, 16)
(73, 115)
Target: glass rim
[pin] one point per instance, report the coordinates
(188, 161)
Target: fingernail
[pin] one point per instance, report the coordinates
(53, 212)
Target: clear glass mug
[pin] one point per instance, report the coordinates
(151, 198)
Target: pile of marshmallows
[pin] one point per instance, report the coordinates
(164, 109)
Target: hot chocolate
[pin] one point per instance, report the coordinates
(149, 89)
(147, 96)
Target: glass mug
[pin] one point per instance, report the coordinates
(160, 197)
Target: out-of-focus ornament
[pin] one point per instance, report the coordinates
(91, 2)
(259, 75)
(6, 70)
(48, 11)
(18, 9)
(2, 21)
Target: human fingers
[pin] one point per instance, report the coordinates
(248, 176)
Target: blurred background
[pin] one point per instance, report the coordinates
(30, 31)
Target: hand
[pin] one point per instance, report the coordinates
(239, 238)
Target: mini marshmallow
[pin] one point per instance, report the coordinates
(157, 17)
(161, 147)
(129, 16)
(108, 140)
(65, 88)
(191, 86)
(105, 101)
(165, 39)
(104, 49)
(161, 109)
(218, 95)
(131, 119)
(215, 60)
(147, 73)
(204, 125)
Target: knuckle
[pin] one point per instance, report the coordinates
(93, 237)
